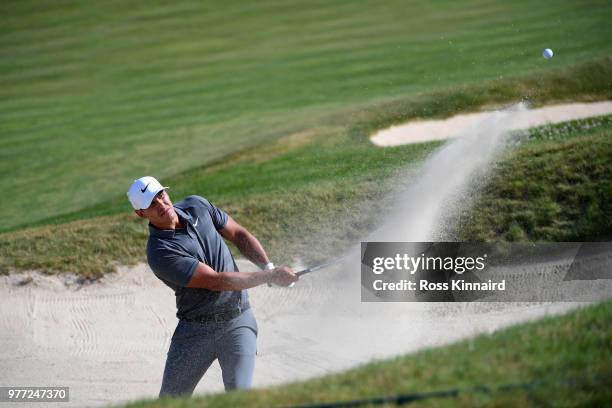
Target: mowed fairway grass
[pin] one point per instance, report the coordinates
(262, 107)
(95, 94)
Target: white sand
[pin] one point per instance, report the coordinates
(419, 131)
(108, 341)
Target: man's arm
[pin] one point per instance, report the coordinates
(246, 242)
(206, 277)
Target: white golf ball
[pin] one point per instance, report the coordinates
(548, 53)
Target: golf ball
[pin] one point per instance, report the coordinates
(548, 53)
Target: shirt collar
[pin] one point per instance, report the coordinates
(183, 214)
(156, 232)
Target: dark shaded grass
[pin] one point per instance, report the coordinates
(555, 187)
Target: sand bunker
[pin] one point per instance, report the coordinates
(108, 341)
(426, 130)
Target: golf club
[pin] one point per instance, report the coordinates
(321, 266)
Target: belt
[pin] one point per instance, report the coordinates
(219, 317)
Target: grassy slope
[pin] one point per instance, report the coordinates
(308, 195)
(556, 186)
(575, 346)
(93, 95)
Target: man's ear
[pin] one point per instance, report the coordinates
(140, 213)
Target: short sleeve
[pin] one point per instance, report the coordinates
(173, 267)
(218, 216)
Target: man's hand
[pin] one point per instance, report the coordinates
(283, 276)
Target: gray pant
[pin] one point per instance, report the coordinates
(195, 346)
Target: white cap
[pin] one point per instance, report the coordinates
(142, 192)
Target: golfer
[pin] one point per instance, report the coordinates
(187, 252)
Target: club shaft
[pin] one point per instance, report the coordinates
(317, 267)
(303, 272)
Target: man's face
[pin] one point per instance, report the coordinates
(161, 212)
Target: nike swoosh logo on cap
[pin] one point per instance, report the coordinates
(145, 189)
(195, 224)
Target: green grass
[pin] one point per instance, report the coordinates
(577, 346)
(307, 195)
(555, 186)
(350, 130)
(94, 95)
(263, 108)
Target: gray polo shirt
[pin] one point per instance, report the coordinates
(173, 255)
